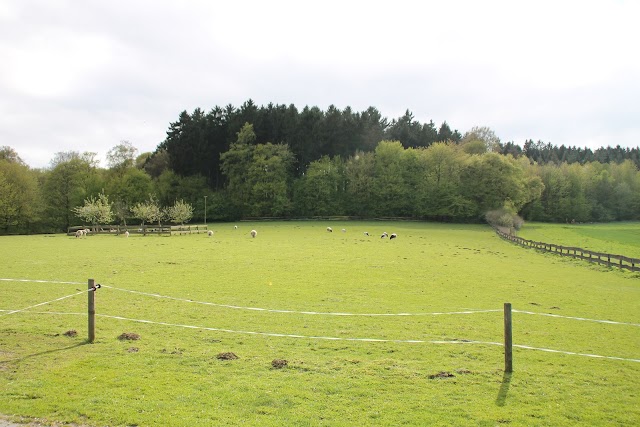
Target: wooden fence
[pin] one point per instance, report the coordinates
(188, 229)
(620, 261)
(116, 230)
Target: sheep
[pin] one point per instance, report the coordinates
(235, 227)
(366, 233)
(330, 230)
(393, 236)
(78, 233)
(126, 233)
(344, 230)
(209, 233)
(254, 233)
(384, 234)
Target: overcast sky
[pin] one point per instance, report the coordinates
(85, 75)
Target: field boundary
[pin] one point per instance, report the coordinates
(116, 230)
(610, 260)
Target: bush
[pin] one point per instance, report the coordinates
(504, 218)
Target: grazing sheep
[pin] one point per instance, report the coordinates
(78, 233)
(126, 233)
(344, 230)
(209, 233)
(393, 236)
(330, 230)
(384, 234)
(366, 233)
(254, 233)
(235, 227)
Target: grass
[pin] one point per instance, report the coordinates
(619, 238)
(171, 376)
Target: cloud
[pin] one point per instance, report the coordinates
(84, 76)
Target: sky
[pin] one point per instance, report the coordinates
(85, 75)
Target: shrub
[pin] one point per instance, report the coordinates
(504, 218)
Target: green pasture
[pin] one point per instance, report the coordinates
(617, 238)
(375, 331)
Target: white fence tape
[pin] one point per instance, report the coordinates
(576, 318)
(310, 337)
(6, 313)
(269, 310)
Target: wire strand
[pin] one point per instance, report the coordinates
(382, 340)
(575, 318)
(42, 303)
(269, 310)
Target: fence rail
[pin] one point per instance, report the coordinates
(116, 230)
(189, 229)
(610, 260)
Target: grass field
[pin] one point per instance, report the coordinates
(368, 328)
(618, 238)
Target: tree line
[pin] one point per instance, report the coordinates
(541, 152)
(195, 141)
(313, 163)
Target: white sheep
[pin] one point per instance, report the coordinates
(209, 233)
(78, 233)
(235, 227)
(393, 236)
(366, 233)
(344, 230)
(330, 230)
(126, 233)
(384, 234)
(254, 233)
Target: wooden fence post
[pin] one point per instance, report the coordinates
(508, 341)
(92, 310)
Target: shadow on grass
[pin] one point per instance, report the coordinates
(29, 356)
(504, 389)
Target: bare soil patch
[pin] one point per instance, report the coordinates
(128, 336)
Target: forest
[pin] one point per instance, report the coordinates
(277, 161)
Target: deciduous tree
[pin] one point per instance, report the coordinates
(71, 179)
(180, 212)
(96, 210)
(321, 190)
(269, 176)
(19, 196)
(148, 211)
(122, 157)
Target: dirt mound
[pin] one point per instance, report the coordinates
(279, 363)
(441, 374)
(128, 336)
(227, 356)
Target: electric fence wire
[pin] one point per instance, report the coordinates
(455, 341)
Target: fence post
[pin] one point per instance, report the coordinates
(508, 342)
(92, 310)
